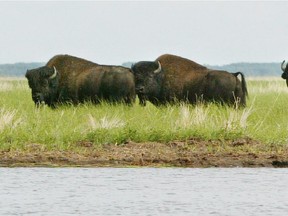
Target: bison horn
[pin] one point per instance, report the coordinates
(158, 69)
(54, 74)
(283, 66)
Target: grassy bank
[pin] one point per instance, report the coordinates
(22, 125)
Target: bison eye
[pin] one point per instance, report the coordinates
(44, 83)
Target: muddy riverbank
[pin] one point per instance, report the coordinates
(189, 153)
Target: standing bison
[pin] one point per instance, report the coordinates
(285, 71)
(171, 79)
(68, 79)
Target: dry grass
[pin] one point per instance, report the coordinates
(105, 122)
(8, 120)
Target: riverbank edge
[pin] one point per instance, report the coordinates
(194, 153)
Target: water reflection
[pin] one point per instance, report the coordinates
(143, 191)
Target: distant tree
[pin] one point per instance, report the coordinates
(127, 64)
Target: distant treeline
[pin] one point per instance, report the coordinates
(249, 69)
(252, 69)
(17, 69)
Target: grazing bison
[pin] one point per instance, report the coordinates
(68, 79)
(171, 79)
(285, 71)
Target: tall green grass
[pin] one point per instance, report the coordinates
(21, 124)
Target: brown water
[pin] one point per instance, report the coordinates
(143, 191)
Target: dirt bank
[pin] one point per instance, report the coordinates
(189, 153)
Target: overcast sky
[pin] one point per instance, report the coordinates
(210, 32)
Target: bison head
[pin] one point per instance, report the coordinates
(285, 71)
(148, 81)
(43, 82)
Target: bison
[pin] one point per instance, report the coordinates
(69, 79)
(285, 71)
(171, 79)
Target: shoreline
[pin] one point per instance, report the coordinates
(194, 153)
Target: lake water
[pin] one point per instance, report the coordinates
(143, 191)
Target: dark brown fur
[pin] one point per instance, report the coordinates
(79, 80)
(184, 80)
